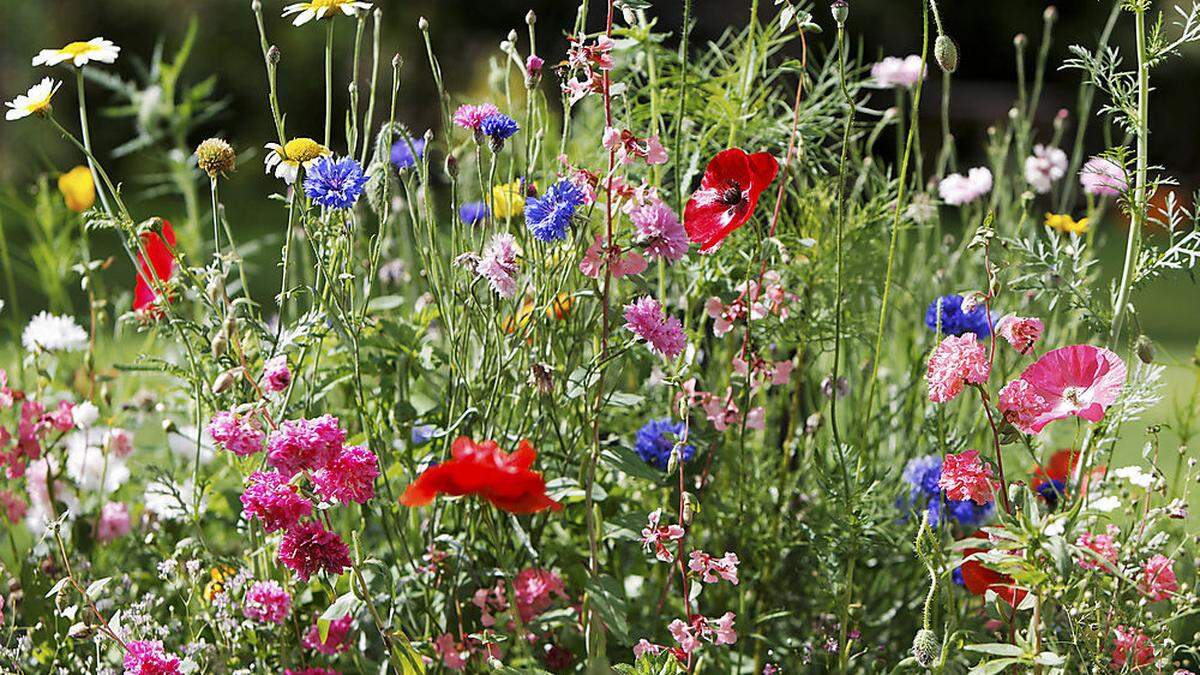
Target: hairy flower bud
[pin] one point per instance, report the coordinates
(423, 23)
(925, 648)
(840, 10)
(452, 166)
(223, 382)
(220, 345)
(216, 157)
(256, 6)
(1051, 14)
(945, 52)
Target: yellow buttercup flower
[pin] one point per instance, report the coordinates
(508, 200)
(323, 9)
(77, 188)
(35, 102)
(1065, 223)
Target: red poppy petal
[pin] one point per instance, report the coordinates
(732, 164)
(763, 168)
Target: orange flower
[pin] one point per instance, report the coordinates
(483, 469)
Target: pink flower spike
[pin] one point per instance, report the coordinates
(1080, 380)
(966, 476)
(1158, 580)
(1021, 332)
(957, 361)
(655, 537)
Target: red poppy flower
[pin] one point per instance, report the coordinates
(158, 248)
(727, 196)
(979, 579)
(485, 470)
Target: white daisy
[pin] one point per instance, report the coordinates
(79, 53)
(50, 333)
(286, 160)
(35, 102)
(321, 9)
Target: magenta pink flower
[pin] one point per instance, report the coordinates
(533, 66)
(1102, 545)
(1158, 578)
(267, 601)
(659, 230)
(305, 444)
(471, 116)
(146, 657)
(719, 631)
(620, 264)
(335, 639)
(276, 375)
(239, 434)
(966, 476)
(454, 654)
(655, 537)
(1080, 380)
(1132, 648)
(711, 569)
(644, 318)
(271, 498)
(349, 477)
(1021, 405)
(308, 548)
(1021, 332)
(957, 361)
(113, 523)
(1103, 177)
(535, 590)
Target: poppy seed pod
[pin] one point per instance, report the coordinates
(925, 648)
(945, 52)
(840, 10)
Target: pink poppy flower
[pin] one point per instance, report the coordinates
(1079, 380)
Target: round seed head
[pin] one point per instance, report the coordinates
(216, 157)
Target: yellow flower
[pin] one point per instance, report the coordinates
(508, 200)
(513, 324)
(77, 188)
(1065, 223)
(323, 9)
(35, 102)
(79, 53)
(213, 589)
(287, 159)
(560, 309)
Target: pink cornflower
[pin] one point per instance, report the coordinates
(309, 547)
(276, 375)
(239, 434)
(267, 601)
(1021, 405)
(644, 318)
(957, 189)
(957, 361)
(1132, 648)
(471, 116)
(1158, 578)
(1079, 380)
(498, 265)
(335, 639)
(1021, 332)
(349, 477)
(454, 654)
(1103, 178)
(535, 590)
(271, 498)
(113, 523)
(13, 506)
(659, 230)
(305, 444)
(894, 72)
(966, 476)
(146, 657)
(1102, 545)
(655, 537)
(712, 570)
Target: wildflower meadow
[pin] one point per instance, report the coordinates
(655, 355)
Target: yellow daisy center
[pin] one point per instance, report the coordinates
(331, 4)
(79, 48)
(303, 150)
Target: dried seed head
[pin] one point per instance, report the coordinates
(925, 648)
(220, 345)
(840, 10)
(224, 381)
(452, 166)
(945, 52)
(216, 157)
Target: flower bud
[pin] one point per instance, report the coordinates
(925, 648)
(216, 157)
(1145, 349)
(273, 54)
(168, 426)
(223, 382)
(840, 10)
(512, 35)
(451, 166)
(530, 18)
(1051, 14)
(215, 289)
(423, 23)
(1019, 40)
(945, 52)
(256, 6)
(220, 345)
(689, 508)
(80, 631)
(397, 61)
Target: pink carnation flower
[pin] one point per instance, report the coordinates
(1132, 648)
(958, 360)
(267, 601)
(644, 318)
(271, 498)
(308, 548)
(349, 477)
(1158, 578)
(1021, 405)
(1102, 545)
(1103, 178)
(1021, 332)
(957, 189)
(239, 434)
(966, 476)
(146, 657)
(335, 639)
(113, 523)
(659, 229)
(894, 71)
(305, 444)
(276, 375)
(535, 590)
(471, 116)
(499, 264)
(1080, 380)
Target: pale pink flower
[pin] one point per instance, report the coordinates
(655, 537)
(1158, 580)
(1103, 177)
(685, 635)
(711, 569)
(491, 601)
(719, 631)
(619, 264)
(6, 394)
(113, 523)
(957, 189)
(894, 71)
(1102, 545)
(471, 116)
(267, 601)
(966, 476)
(1079, 380)
(1131, 648)
(644, 318)
(645, 646)
(454, 654)
(119, 442)
(498, 265)
(12, 506)
(1021, 332)
(724, 633)
(957, 361)
(1045, 167)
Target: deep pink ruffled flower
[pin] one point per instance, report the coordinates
(1080, 380)
(644, 318)
(146, 657)
(471, 116)
(240, 434)
(533, 66)
(957, 361)
(966, 476)
(656, 537)
(535, 590)
(349, 477)
(113, 523)
(1021, 405)
(659, 230)
(267, 601)
(1102, 545)
(305, 444)
(312, 671)
(712, 569)
(335, 639)
(271, 498)
(1131, 648)
(308, 548)
(276, 375)
(1158, 578)
(1021, 332)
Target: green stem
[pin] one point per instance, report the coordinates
(87, 140)
(328, 82)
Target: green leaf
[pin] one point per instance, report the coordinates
(996, 648)
(993, 667)
(608, 598)
(627, 462)
(347, 603)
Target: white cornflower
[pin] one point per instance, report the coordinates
(79, 53)
(35, 102)
(323, 9)
(1135, 475)
(286, 160)
(51, 333)
(85, 415)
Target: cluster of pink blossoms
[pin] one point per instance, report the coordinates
(498, 264)
(146, 657)
(711, 569)
(1021, 332)
(309, 548)
(276, 375)
(959, 360)
(586, 64)
(628, 146)
(966, 476)
(33, 427)
(335, 641)
(1132, 648)
(1158, 580)
(721, 411)
(689, 634)
(657, 537)
(771, 299)
(455, 655)
(644, 318)
(114, 522)
(1103, 545)
(240, 434)
(535, 590)
(267, 601)
(657, 231)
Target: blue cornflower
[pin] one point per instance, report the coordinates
(499, 127)
(422, 433)
(549, 216)
(406, 152)
(968, 512)
(335, 183)
(922, 474)
(1051, 490)
(954, 320)
(957, 576)
(473, 213)
(657, 438)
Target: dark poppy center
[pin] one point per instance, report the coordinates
(732, 194)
